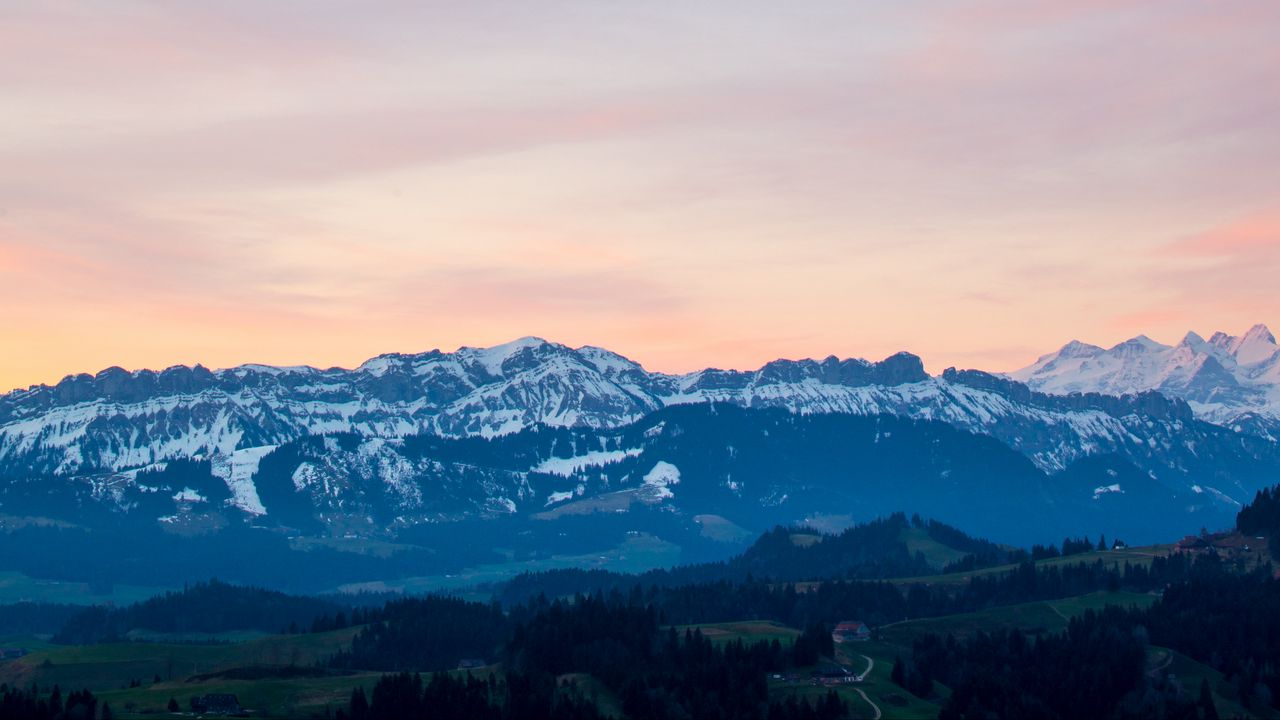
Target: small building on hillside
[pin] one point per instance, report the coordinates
(12, 653)
(217, 704)
(851, 631)
(471, 663)
(830, 674)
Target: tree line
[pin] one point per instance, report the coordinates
(30, 704)
(1227, 620)
(654, 672)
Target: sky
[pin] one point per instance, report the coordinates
(689, 184)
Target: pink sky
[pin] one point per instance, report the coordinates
(311, 182)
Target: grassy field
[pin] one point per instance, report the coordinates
(1032, 618)
(636, 554)
(191, 670)
(114, 665)
(1190, 673)
(16, 587)
(939, 555)
(858, 706)
(291, 697)
(935, 553)
(892, 700)
(748, 631)
(721, 529)
(288, 685)
(876, 691)
(1134, 556)
(895, 641)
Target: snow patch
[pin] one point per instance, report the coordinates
(189, 495)
(658, 481)
(237, 470)
(558, 497)
(566, 467)
(1106, 489)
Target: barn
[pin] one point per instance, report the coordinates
(851, 631)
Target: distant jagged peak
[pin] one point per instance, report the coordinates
(1192, 340)
(607, 361)
(1076, 348)
(491, 359)
(1222, 377)
(1141, 343)
(1221, 340)
(494, 358)
(1260, 332)
(1255, 346)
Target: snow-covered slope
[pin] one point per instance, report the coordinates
(407, 441)
(1229, 380)
(118, 420)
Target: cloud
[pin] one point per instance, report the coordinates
(1244, 240)
(696, 184)
(1223, 276)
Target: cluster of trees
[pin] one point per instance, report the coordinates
(1228, 621)
(1070, 546)
(32, 618)
(871, 550)
(653, 672)
(879, 602)
(1222, 618)
(426, 633)
(1262, 517)
(206, 607)
(813, 644)
(1083, 672)
(911, 678)
(31, 704)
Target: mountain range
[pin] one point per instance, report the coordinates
(537, 445)
(1229, 380)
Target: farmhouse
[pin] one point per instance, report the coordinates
(851, 631)
(11, 652)
(829, 674)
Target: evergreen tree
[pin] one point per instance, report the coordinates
(359, 704)
(1208, 709)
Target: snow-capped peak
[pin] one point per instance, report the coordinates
(1075, 348)
(1141, 343)
(1223, 378)
(1255, 346)
(1193, 340)
(493, 358)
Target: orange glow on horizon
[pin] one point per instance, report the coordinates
(237, 182)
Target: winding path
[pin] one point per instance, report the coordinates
(1060, 613)
(874, 706)
(871, 664)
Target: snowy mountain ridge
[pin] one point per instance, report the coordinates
(1229, 380)
(118, 420)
